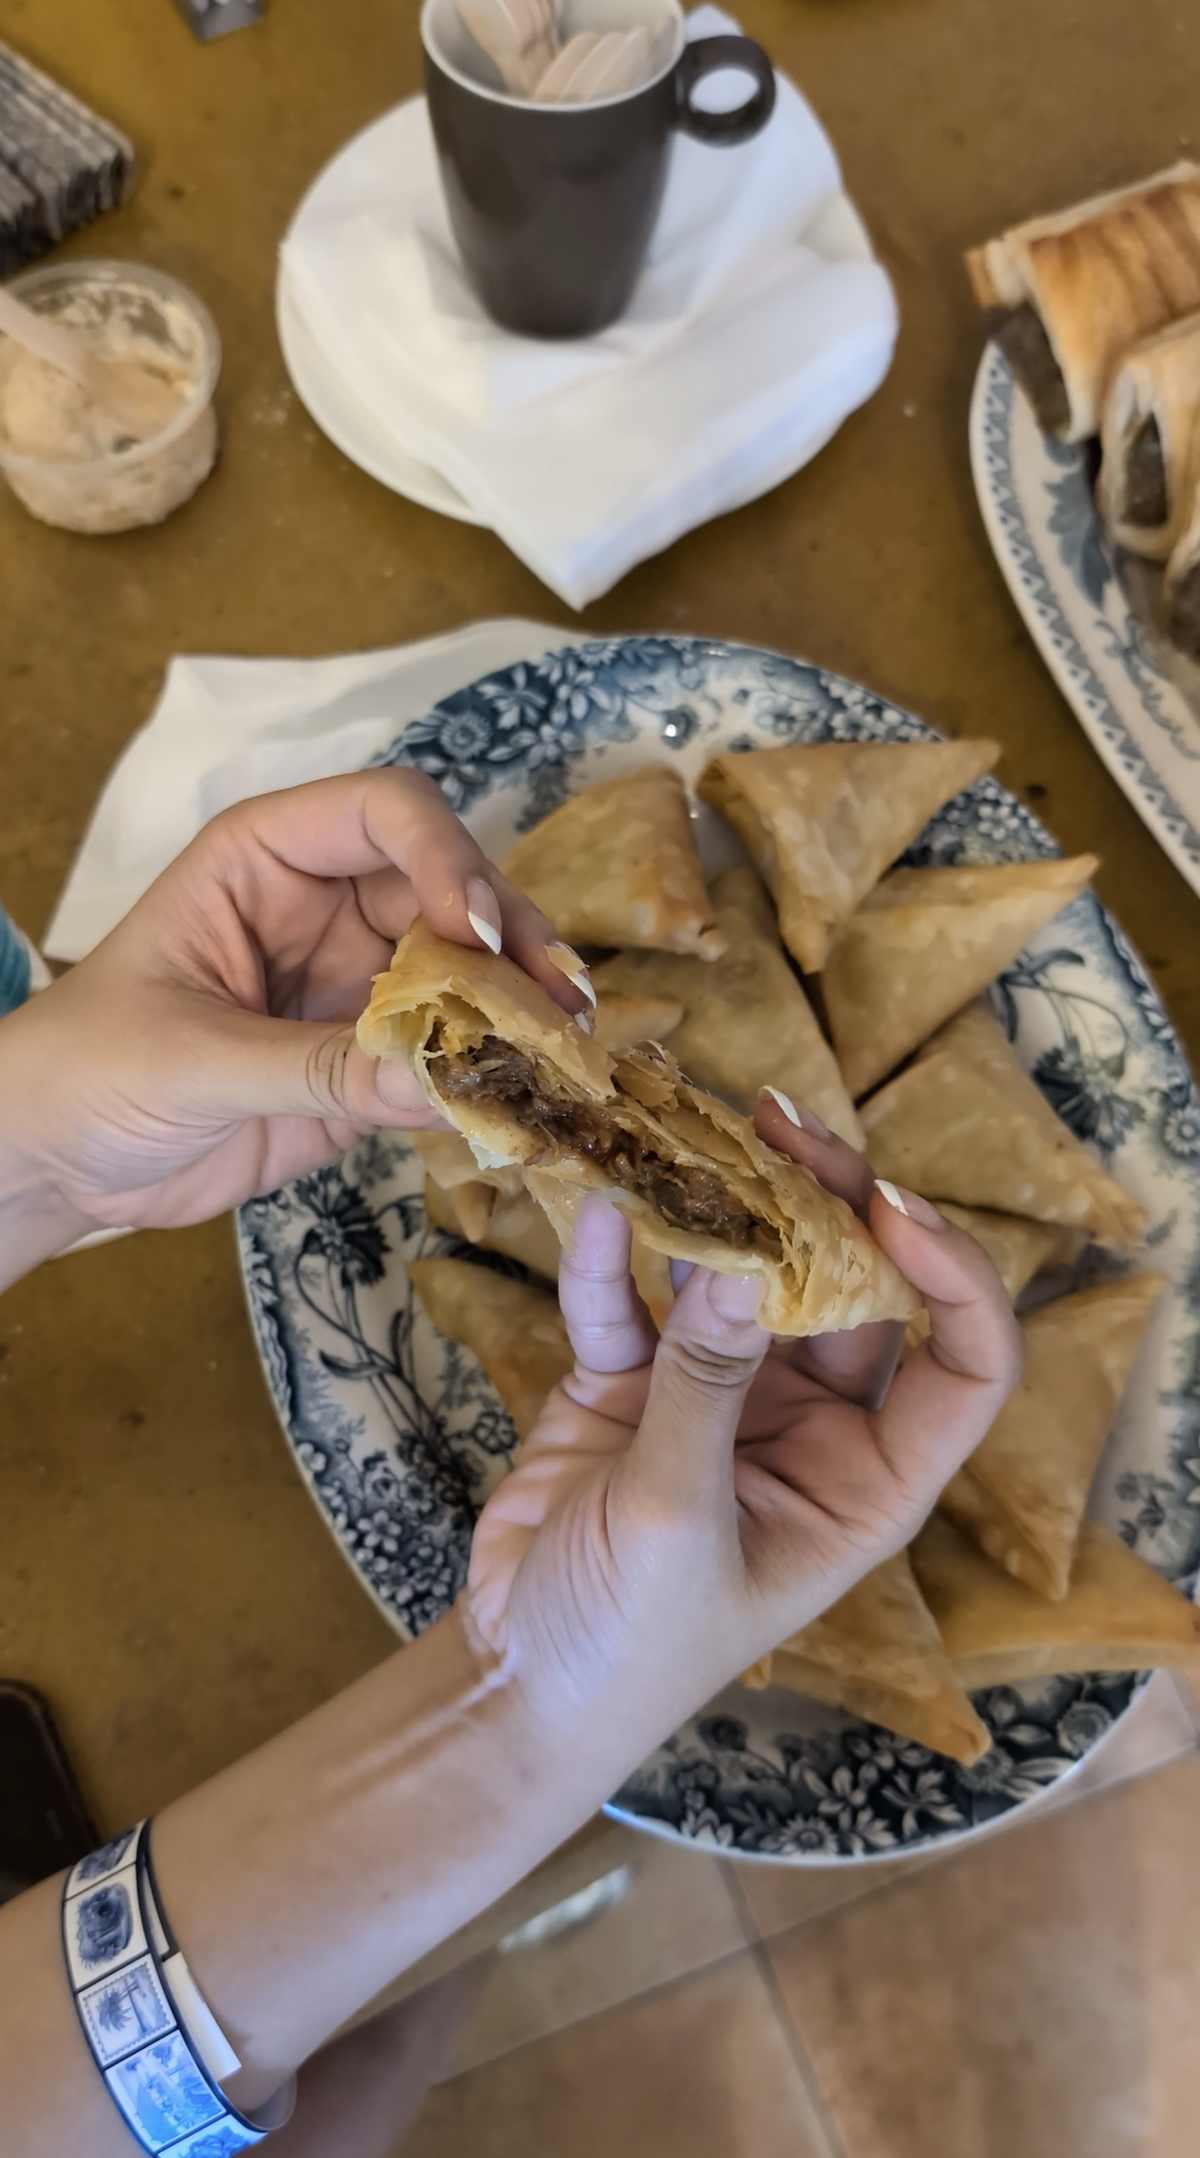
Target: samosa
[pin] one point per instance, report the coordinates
(515, 1331)
(1017, 1249)
(1117, 1614)
(618, 865)
(878, 1654)
(515, 1228)
(619, 1020)
(964, 1122)
(1023, 1492)
(746, 1021)
(822, 820)
(925, 942)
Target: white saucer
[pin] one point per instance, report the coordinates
(349, 424)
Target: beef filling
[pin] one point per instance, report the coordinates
(689, 1197)
(1146, 477)
(1018, 332)
(1183, 613)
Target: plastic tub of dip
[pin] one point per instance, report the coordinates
(68, 461)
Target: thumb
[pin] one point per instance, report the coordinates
(706, 1361)
(293, 1067)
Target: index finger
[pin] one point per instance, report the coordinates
(393, 818)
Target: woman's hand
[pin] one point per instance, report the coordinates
(684, 1505)
(205, 1051)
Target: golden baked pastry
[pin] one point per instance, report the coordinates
(1022, 1494)
(823, 820)
(746, 1022)
(621, 1019)
(525, 1086)
(965, 1123)
(517, 1332)
(617, 864)
(1150, 437)
(878, 1653)
(1080, 287)
(925, 942)
(1117, 1614)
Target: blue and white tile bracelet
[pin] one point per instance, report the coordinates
(151, 2034)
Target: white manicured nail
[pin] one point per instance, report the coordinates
(583, 1021)
(890, 1193)
(483, 913)
(569, 963)
(788, 1107)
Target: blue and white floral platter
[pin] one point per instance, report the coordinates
(1090, 615)
(401, 1438)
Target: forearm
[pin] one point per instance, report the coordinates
(35, 1220)
(302, 1880)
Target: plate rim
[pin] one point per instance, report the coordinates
(999, 489)
(422, 482)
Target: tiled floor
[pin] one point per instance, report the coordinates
(1036, 1995)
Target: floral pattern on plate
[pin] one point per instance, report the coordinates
(401, 1437)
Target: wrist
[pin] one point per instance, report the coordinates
(36, 1221)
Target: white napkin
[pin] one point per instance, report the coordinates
(224, 729)
(759, 323)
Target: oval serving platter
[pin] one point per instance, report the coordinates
(401, 1438)
(1135, 700)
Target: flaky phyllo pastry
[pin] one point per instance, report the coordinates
(1077, 289)
(925, 942)
(525, 1085)
(1150, 437)
(965, 1123)
(618, 865)
(877, 1653)
(823, 820)
(745, 1022)
(1022, 1494)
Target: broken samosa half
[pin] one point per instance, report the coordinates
(1117, 1614)
(618, 865)
(878, 1654)
(965, 1123)
(1023, 1493)
(746, 1022)
(515, 1331)
(924, 943)
(525, 1086)
(823, 820)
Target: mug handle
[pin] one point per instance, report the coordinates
(704, 57)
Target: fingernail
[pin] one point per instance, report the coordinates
(583, 1021)
(804, 1119)
(908, 1203)
(736, 1296)
(483, 913)
(890, 1193)
(570, 964)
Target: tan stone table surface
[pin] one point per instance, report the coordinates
(164, 1576)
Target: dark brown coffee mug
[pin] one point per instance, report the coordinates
(553, 205)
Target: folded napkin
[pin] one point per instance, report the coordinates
(224, 729)
(759, 323)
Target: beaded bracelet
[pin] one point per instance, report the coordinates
(151, 2034)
